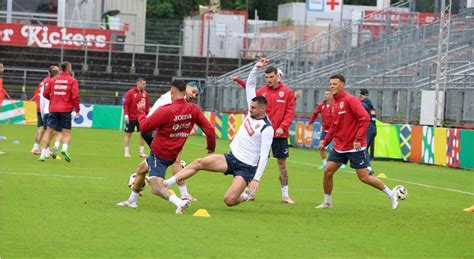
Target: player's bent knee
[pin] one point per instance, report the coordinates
(230, 201)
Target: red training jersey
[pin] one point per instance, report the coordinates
(173, 123)
(326, 114)
(281, 106)
(132, 98)
(350, 123)
(62, 93)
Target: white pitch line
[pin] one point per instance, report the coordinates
(55, 175)
(347, 171)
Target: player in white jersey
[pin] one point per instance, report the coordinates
(249, 149)
(193, 89)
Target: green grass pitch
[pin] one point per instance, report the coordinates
(56, 209)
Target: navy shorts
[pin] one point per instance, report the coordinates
(148, 137)
(358, 159)
(41, 121)
(130, 127)
(280, 148)
(157, 166)
(59, 120)
(370, 137)
(323, 135)
(237, 167)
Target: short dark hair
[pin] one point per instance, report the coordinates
(260, 100)
(64, 65)
(179, 84)
(140, 79)
(53, 72)
(339, 76)
(271, 69)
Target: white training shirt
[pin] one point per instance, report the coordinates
(253, 140)
(44, 103)
(163, 100)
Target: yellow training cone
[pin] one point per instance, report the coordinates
(471, 209)
(202, 213)
(58, 158)
(382, 175)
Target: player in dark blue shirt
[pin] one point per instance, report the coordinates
(372, 130)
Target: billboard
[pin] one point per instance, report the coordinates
(46, 36)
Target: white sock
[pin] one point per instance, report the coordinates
(244, 197)
(142, 149)
(35, 147)
(183, 190)
(47, 153)
(175, 200)
(325, 161)
(64, 147)
(127, 150)
(284, 191)
(328, 198)
(369, 168)
(56, 144)
(133, 197)
(168, 183)
(44, 152)
(387, 191)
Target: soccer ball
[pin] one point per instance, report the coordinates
(402, 192)
(183, 163)
(131, 180)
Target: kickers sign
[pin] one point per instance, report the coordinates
(52, 36)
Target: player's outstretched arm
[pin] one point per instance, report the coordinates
(238, 81)
(250, 90)
(267, 139)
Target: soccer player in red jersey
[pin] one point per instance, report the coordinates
(63, 95)
(132, 98)
(173, 124)
(348, 129)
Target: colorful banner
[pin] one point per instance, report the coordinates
(440, 141)
(416, 143)
(53, 36)
(454, 146)
(31, 115)
(466, 151)
(85, 116)
(12, 112)
(107, 117)
(428, 146)
(386, 142)
(405, 141)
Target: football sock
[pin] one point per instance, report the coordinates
(284, 191)
(175, 200)
(64, 147)
(325, 162)
(328, 198)
(387, 191)
(44, 152)
(183, 190)
(142, 149)
(133, 197)
(369, 168)
(170, 182)
(56, 144)
(127, 150)
(35, 147)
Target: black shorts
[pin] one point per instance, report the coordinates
(41, 121)
(59, 120)
(130, 127)
(157, 166)
(358, 159)
(280, 148)
(237, 167)
(148, 137)
(323, 135)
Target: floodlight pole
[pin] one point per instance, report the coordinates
(441, 62)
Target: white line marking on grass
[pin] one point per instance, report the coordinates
(55, 175)
(352, 172)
